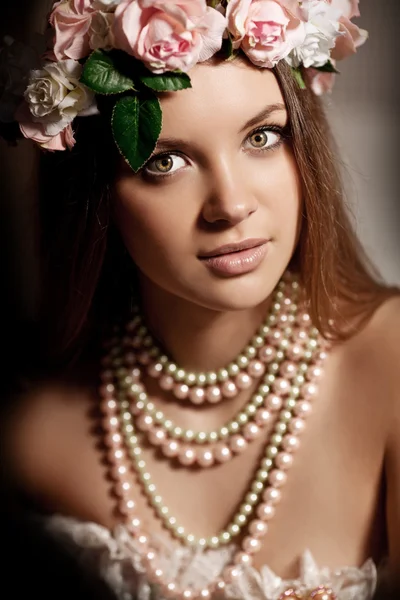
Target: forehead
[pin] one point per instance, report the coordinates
(224, 94)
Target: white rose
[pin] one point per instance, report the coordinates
(101, 34)
(322, 29)
(55, 96)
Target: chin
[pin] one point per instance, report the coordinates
(238, 293)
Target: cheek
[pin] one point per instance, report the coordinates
(151, 224)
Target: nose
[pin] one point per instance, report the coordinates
(230, 199)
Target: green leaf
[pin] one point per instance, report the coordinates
(136, 126)
(299, 78)
(168, 82)
(101, 75)
(328, 67)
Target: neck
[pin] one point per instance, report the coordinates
(195, 337)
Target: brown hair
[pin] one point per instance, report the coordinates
(89, 277)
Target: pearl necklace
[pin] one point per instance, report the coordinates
(265, 493)
(214, 385)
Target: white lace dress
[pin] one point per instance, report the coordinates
(115, 558)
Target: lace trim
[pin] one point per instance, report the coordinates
(115, 556)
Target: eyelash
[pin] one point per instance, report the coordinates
(282, 131)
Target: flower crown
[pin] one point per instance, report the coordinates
(124, 52)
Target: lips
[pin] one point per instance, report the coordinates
(233, 248)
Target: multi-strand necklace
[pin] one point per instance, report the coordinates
(285, 357)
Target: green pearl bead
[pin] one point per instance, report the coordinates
(202, 542)
(124, 404)
(180, 531)
(201, 437)
(299, 380)
(251, 498)
(251, 410)
(270, 378)
(272, 451)
(201, 379)
(257, 341)
(264, 390)
(159, 416)
(180, 375)
(279, 295)
(213, 542)
(295, 391)
(274, 367)
(250, 352)
(262, 475)
(285, 416)
(246, 509)
(225, 537)
(290, 404)
(233, 427)
(171, 368)
(234, 529)
(211, 378)
(191, 378)
(242, 361)
(233, 369)
(276, 307)
(223, 432)
(212, 436)
(280, 355)
(168, 425)
(188, 435)
(308, 355)
(240, 519)
(265, 329)
(266, 463)
(281, 428)
(242, 418)
(272, 320)
(259, 399)
(128, 428)
(176, 432)
(257, 487)
(276, 439)
(190, 539)
(223, 375)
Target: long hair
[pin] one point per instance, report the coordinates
(88, 277)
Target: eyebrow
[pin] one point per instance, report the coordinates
(171, 143)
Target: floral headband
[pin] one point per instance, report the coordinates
(127, 51)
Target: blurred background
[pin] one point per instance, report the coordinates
(363, 110)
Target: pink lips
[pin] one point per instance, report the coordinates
(236, 259)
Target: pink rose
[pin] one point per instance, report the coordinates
(168, 35)
(35, 132)
(352, 37)
(71, 20)
(266, 30)
(320, 82)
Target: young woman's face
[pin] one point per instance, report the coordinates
(213, 217)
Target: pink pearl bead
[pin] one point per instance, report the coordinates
(171, 448)
(290, 443)
(272, 495)
(117, 456)
(262, 417)
(213, 394)
(277, 477)
(144, 422)
(243, 381)
(118, 471)
(205, 457)
(281, 386)
(126, 507)
(301, 335)
(302, 408)
(144, 358)
(314, 372)
(242, 558)
(107, 376)
(309, 390)
(295, 352)
(305, 319)
(197, 395)
(122, 488)
(256, 368)
(265, 511)
(284, 460)
(108, 407)
(222, 453)
(251, 431)
(296, 426)
(275, 337)
(267, 354)
(181, 390)
(237, 443)
(107, 390)
(157, 436)
(283, 320)
(273, 402)
(230, 573)
(113, 440)
(166, 382)
(229, 389)
(135, 525)
(258, 528)
(251, 545)
(129, 359)
(322, 355)
(288, 369)
(110, 424)
(154, 370)
(187, 456)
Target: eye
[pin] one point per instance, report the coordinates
(265, 138)
(164, 164)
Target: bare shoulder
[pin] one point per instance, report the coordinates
(52, 449)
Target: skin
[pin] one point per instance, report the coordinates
(335, 502)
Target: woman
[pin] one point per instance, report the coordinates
(206, 301)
